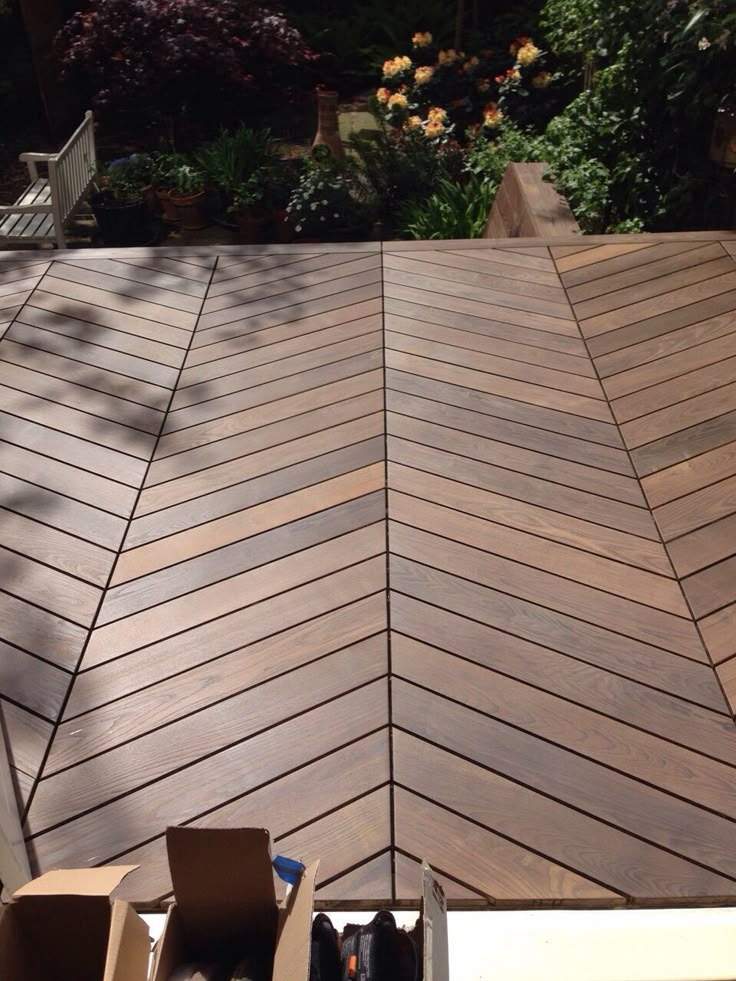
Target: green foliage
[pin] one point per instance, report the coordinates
(453, 210)
(395, 22)
(632, 151)
(123, 179)
(328, 194)
(186, 180)
(353, 40)
(399, 167)
(165, 167)
(233, 157)
(490, 158)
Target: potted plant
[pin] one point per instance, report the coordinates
(187, 196)
(328, 204)
(140, 169)
(279, 183)
(119, 204)
(247, 205)
(227, 162)
(165, 166)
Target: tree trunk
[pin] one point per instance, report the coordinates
(43, 20)
(459, 24)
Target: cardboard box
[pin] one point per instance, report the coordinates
(433, 917)
(225, 903)
(63, 926)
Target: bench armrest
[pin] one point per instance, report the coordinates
(31, 159)
(25, 209)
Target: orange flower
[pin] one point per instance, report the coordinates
(422, 39)
(519, 42)
(434, 128)
(492, 116)
(448, 57)
(423, 75)
(382, 96)
(527, 54)
(394, 66)
(437, 115)
(541, 80)
(397, 101)
(413, 123)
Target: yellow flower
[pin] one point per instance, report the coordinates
(448, 57)
(527, 54)
(423, 75)
(394, 66)
(437, 115)
(541, 80)
(483, 84)
(382, 96)
(433, 129)
(413, 122)
(492, 116)
(398, 101)
(422, 39)
(471, 63)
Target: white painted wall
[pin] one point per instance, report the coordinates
(570, 945)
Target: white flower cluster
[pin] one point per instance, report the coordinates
(316, 200)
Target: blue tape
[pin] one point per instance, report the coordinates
(288, 869)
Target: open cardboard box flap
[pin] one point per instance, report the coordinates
(76, 882)
(293, 947)
(434, 923)
(224, 895)
(63, 925)
(223, 882)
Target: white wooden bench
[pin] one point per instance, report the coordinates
(40, 213)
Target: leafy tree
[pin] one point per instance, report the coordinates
(179, 58)
(631, 151)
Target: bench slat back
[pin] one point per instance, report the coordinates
(71, 169)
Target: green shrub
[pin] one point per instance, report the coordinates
(631, 151)
(453, 210)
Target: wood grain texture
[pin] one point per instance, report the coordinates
(422, 550)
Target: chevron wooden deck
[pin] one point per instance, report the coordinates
(402, 550)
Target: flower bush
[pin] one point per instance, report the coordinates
(327, 196)
(444, 91)
(175, 57)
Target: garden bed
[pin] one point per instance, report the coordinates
(427, 147)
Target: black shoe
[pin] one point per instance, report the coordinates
(379, 951)
(324, 964)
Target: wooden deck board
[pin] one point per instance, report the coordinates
(273, 515)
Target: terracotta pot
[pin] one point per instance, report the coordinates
(167, 206)
(328, 130)
(250, 226)
(192, 210)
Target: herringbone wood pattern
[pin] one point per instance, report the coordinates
(422, 551)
